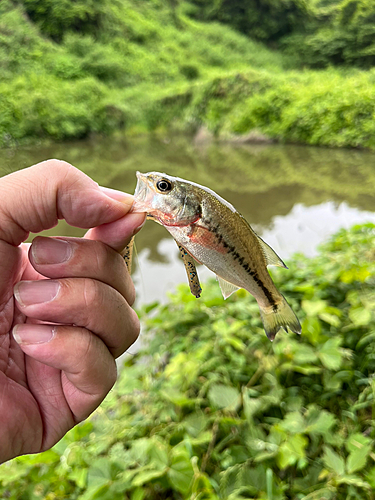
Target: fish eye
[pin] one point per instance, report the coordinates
(164, 186)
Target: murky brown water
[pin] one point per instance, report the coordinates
(294, 196)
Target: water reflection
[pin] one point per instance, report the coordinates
(294, 196)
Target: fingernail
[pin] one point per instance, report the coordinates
(138, 217)
(50, 250)
(33, 334)
(36, 292)
(117, 195)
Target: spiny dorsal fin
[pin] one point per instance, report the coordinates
(272, 259)
(226, 288)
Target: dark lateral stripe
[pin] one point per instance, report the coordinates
(215, 229)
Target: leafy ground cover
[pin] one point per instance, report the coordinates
(210, 409)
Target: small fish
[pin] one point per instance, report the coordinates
(210, 229)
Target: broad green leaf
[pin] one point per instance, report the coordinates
(312, 328)
(223, 396)
(330, 354)
(356, 461)
(99, 472)
(331, 319)
(158, 453)
(176, 397)
(79, 476)
(293, 423)
(357, 441)
(181, 473)
(333, 461)
(370, 477)
(96, 492)
(13, 471)
(359, 447)
(355, 274)
(145, 476)
(320, 494)
(304, 354)
(323, 424)
(292, 451)
(254, 476)
(360, 316)
(140, 450)
(314, 307)
(138, 494)
(196, 423)
(353, 480)
(251, 405)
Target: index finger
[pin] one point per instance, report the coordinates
(34, 199)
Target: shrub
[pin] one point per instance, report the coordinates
(55, 17)
(315, 109)
(47, 107)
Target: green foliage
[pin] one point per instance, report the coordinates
(55, 18)
(133, 54)
(265, 20)
(69, 69)
(312, 108)
(37, 107)
(210, 409)
(341, 33)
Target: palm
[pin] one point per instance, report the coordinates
(21, 375)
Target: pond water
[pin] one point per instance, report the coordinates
(295, 197)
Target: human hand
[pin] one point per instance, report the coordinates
(59, 363)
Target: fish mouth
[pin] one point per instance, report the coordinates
(140, 194)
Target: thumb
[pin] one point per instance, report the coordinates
(34, 199)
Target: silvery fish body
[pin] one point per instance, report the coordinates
(216, 235)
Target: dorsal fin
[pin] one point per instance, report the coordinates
(226, 288)
(272, 259)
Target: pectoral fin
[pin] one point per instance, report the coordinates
(191, 272)
(272, 259)
(127, 253)
(226, 288)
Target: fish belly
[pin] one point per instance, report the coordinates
(218, 259)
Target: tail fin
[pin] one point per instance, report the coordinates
(279, 316)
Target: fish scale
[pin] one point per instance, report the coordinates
(210, 230)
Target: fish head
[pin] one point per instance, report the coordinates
(169, 200)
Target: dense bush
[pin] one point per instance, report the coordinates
(329, 108)
(333, 110)
(134, 58)
(56, 18)
(210, 409)
(68, 71)
(342, 32)
(266, 20)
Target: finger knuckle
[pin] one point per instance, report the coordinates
(111, 376)
(134, 326)
(91, 294)
(131, 293)
(101, 260)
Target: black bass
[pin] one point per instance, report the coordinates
(211, 230)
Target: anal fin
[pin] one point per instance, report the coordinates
(226, 288)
